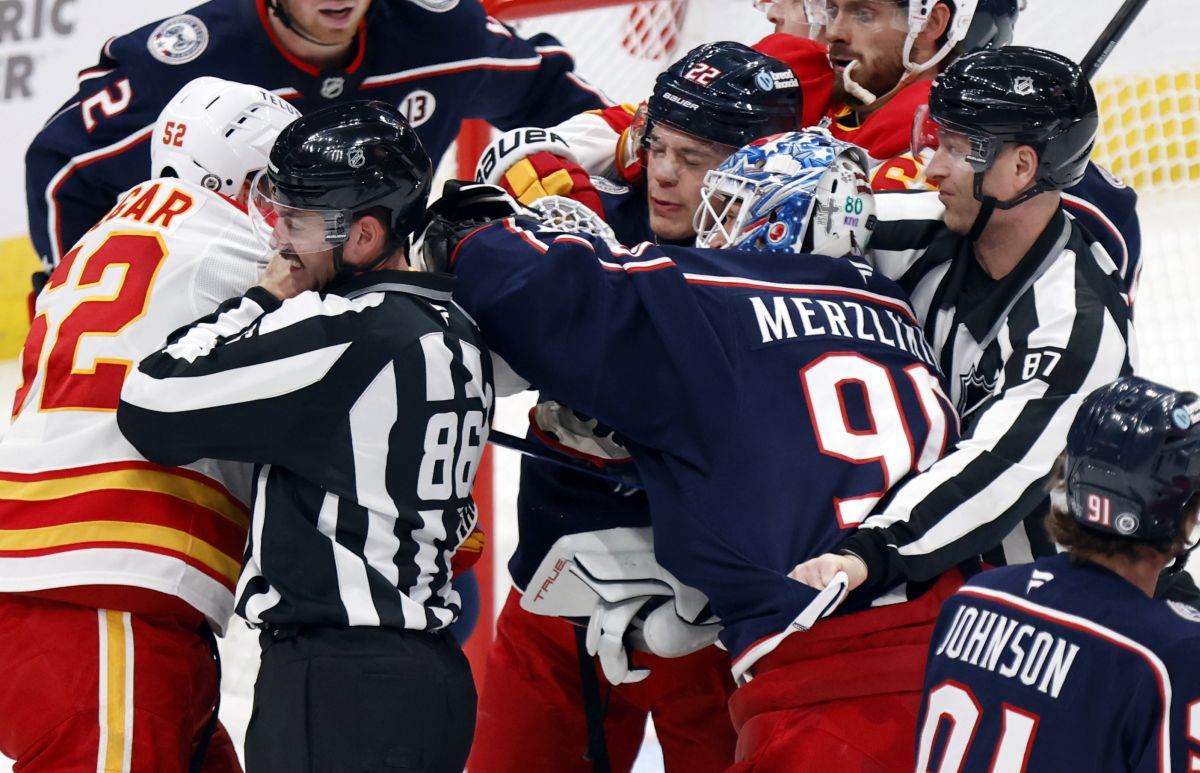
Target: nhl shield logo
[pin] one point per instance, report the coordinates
(356, 158)
(178, 40)
(331, 88)
(1023, 86)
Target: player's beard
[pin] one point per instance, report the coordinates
(878, 76)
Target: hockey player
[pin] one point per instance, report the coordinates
(768, 400)
(883, 56)
(692, 128)
(1067, 663)
(116, 571)
(803, 18)
(1023, 308)
(364, 395)
(440, 60)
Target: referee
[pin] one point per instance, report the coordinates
(1023, 306)
(364, 395)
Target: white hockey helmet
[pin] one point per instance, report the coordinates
(216, 132)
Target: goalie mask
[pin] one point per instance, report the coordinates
(1133, 460)
(801, 192)
(217, 133)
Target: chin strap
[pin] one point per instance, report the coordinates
(276, 7)
(990, 204)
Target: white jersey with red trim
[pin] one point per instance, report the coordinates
(1061, 666)
(83, 516)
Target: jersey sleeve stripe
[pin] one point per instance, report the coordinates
(78, 162)
(449, 68)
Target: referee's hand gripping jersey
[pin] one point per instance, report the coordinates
(364, 394)
(1025, 311)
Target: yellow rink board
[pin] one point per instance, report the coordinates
(17, 263)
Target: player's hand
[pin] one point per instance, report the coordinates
(631, 158)
(463, 207)
(547, 174)
(819, 572)
(286, 276)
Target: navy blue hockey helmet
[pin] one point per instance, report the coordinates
(728, 93)
(1133, 459)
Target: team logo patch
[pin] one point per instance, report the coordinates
(1023, 86)
(764, 80)
(605, 185)
(178, 40)
(1126, 523)
(777, 232)
(1186, 611)
(355, 158)
(332, 87)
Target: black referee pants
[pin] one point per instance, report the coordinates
(360, 699)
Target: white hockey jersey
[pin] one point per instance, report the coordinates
(83, 516)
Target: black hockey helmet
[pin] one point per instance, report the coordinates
(728, 93)
(1133, 459)
(1022, 95)
(342, 160)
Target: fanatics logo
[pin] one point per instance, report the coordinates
(356, 158)
(1023, 85)
(178, 40)
(332, 87)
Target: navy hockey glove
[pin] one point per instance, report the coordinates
(462, 208)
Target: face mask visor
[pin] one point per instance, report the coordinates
(293, 230)
(724, 205)
(976, 152)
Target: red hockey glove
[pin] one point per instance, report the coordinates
(547, 174)
(468, 552)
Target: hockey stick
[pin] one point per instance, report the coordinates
(539, 451)
(1112, 35)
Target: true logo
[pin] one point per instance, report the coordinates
(355, 158)
(332, 87)
(178, 40)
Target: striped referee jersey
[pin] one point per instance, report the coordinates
(365, 408)
(1020, 354)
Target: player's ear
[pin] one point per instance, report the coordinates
(935, 29)
(368, 237)
(1025, 164)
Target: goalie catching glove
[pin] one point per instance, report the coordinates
(612, 579)
(462, 208)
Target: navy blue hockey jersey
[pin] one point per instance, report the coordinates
(1054, 666)
(438, 66)
(769, 401)
(1107, 208)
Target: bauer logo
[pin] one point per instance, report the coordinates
(178, 40)
(684, 103)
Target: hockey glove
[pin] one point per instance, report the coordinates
(462, 208)
(545, 174)
(575, 434)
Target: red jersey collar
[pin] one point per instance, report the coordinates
(293, 59)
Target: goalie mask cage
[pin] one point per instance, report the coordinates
(1149, 95)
